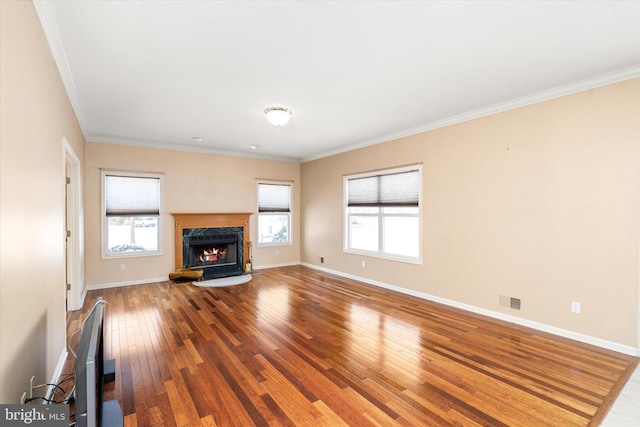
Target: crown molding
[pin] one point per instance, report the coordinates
(557, 92)
(187, 148)
(47, 18)
(52, 34)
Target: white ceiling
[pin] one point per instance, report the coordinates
(355, 73)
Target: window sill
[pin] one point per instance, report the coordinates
(388, 257)
(271, 245)
(132, 255)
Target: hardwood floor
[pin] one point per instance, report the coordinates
(297, 347)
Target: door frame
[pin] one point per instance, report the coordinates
(74, 252)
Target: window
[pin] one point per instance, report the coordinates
(274, 213)
(382, 213)
(131, 214)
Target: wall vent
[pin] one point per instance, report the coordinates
(510, 302)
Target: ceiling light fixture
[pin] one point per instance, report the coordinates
(198, 138)
(254, 146)
(278, 116)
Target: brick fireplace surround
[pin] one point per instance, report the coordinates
(209, 220)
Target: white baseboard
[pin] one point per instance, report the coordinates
(79, 302)
(82, 297)
(620, 348)
(57, 372)
(287, 264)
(128, 283)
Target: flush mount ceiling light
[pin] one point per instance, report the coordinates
(278, 116)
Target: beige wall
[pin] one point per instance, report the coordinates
(540, 203)
(193, 182)
(35, 115)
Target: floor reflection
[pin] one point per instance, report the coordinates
(392, 344)
(273, 305)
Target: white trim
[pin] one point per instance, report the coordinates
(83, 296)
(127, 283)
(188, 148)
(104, 223)
(346, 229)
(57, 372)
(48, 21)
(74, 222)
(166, 279)
(289, 185)
(264, 267)
(546, 95)
(621, 348)
(52, 34)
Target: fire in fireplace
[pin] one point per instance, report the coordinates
(214, 255)
(218, 250)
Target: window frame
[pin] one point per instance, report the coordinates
(289, 214)
(105, 254)
(381, 215)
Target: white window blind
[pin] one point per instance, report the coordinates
(274, 198)
(132, 196)
(399, 189)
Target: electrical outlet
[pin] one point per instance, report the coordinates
(123, 267)
(364, 264)
(277, 252)
(575, 307)
(321, 260)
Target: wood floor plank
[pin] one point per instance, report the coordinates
(289, 399)
(182, 403)
(295, 346)
(164, 404)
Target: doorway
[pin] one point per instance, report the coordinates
(74, 238)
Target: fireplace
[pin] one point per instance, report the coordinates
(218, 251)
(216, 243)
